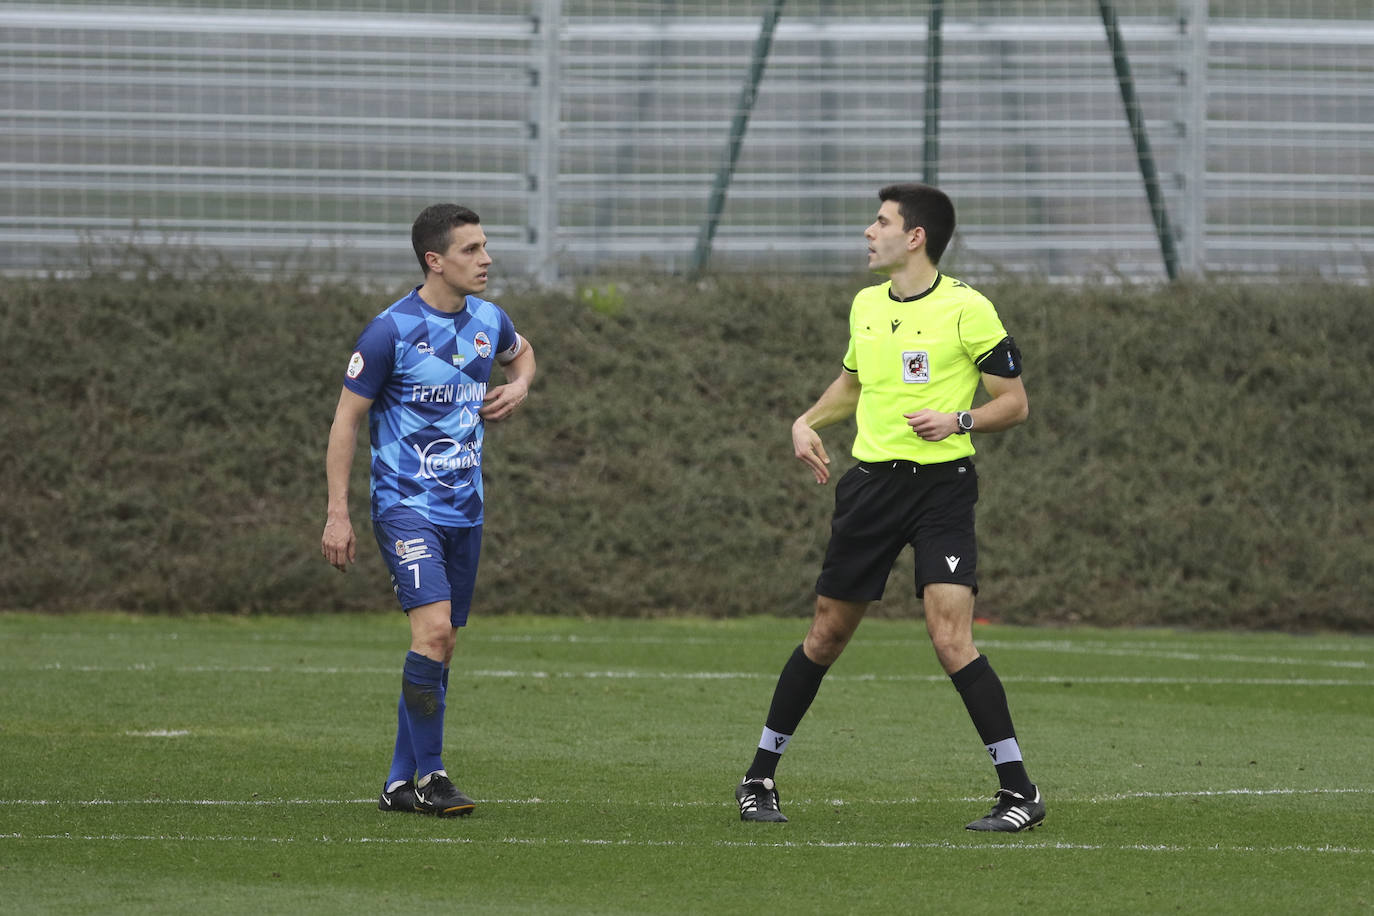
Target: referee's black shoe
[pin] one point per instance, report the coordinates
(1012, 813)
(758, 801)
(437, 795)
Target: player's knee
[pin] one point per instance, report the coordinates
(431, 634)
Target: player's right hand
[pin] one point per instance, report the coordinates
(339, 545)
(810, 451)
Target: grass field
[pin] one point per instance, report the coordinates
(226, 765)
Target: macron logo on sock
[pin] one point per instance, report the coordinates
(1004, 751)
(773, 741)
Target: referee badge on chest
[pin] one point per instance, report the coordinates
(915, 367)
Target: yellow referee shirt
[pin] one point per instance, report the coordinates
(914, 355)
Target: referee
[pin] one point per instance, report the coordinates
(918, 346)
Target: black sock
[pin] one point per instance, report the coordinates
(797, 686)
(986, 701)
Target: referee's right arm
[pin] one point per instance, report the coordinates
(838, 402)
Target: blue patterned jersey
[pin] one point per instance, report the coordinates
(426, 372)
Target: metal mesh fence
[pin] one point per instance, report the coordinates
(596, 135)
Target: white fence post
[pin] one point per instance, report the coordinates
(548, 114)
(1194, 14)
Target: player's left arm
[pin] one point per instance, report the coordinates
(502, 400)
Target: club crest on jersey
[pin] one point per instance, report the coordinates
(355, 365)
(483, 344)
(915, 367)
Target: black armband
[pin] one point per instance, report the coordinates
(1003, 360)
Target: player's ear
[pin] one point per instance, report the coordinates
(435, 262)
(915, 238)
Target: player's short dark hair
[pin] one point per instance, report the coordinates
(927, 207)
(432, 227)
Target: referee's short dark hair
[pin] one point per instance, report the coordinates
(927, 207)
(432, 227)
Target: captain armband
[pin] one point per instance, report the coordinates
(1003, 360)
(505, 357)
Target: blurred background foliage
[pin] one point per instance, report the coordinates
(1196, 455)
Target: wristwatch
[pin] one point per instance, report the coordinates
(965, 422)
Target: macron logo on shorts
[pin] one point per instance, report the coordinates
(953, 563)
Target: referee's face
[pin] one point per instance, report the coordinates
(888, 242)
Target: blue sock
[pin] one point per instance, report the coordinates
(443, 686)
(422, 696)
(403, 757)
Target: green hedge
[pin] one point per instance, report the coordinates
(1194, 455)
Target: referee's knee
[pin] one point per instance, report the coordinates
(832, 628)
(823, 648)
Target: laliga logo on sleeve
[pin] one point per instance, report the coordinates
(483, 344)
(355, 365)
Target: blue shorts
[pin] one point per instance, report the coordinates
(429, 562)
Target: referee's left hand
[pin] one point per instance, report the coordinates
(932, 425)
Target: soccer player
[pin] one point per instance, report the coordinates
(420, 375)
(919, 345)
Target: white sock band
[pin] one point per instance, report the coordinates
(1004, 751)
(772, 741)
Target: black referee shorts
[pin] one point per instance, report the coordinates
(882, 507)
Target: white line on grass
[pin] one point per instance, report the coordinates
(1345, 644)
(1196, 651)
(631, 674)
(1174, 654)
(1059, 799)
(970, 846)
(1050, 645)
